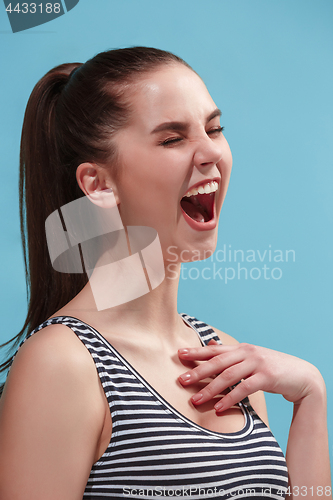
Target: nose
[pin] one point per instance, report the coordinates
(208, 151)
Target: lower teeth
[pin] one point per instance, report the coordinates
(194, 212)
(199, 218)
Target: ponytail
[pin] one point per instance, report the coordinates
(40, 194)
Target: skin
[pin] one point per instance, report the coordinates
(54, 418)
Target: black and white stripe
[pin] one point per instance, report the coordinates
(155, 452)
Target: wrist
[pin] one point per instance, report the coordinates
(315, 394)
(314, 390)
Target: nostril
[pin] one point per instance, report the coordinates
(207, 157)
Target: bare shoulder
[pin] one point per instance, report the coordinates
(258, 398)
(52, 365)
(54, 354)
(54, 346)
(52, 398)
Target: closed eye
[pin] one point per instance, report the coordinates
(217, 130)
(174, 140)
(170, 141)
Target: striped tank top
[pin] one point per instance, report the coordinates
(156, 452)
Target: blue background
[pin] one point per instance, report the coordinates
(268, 65)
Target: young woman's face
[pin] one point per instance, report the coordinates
(175, 162)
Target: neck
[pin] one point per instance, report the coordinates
(153, 312)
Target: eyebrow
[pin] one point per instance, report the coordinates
(181, 126)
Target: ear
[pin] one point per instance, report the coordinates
(95, 182)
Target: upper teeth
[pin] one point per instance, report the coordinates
(210, 187)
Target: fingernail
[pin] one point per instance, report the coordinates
(218, 406)
(183, 351)
(185, 377)
(197, 398)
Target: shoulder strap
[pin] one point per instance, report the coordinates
(204, 331)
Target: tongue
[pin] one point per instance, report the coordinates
(193, 211)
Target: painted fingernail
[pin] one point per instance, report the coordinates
(219, 406)
(183, 351)
(185, 377)
(196, 398)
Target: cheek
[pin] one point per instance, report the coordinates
(228, 157)
(156, 177)
(150, 199)
(225, 165)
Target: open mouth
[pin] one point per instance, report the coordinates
(198, 202)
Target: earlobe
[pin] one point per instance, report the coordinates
(104, 198)
(94, 182)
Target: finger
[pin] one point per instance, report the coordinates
(213, 342)
(242, 390)
(227, 378)
(212, 367)
(204, 353)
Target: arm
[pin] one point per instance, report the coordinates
(271, 371)
(51, 417)
(307, 451)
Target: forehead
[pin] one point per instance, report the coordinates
(173, 92)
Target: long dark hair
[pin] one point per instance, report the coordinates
(71, 115)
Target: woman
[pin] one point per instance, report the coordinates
(133, 400)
